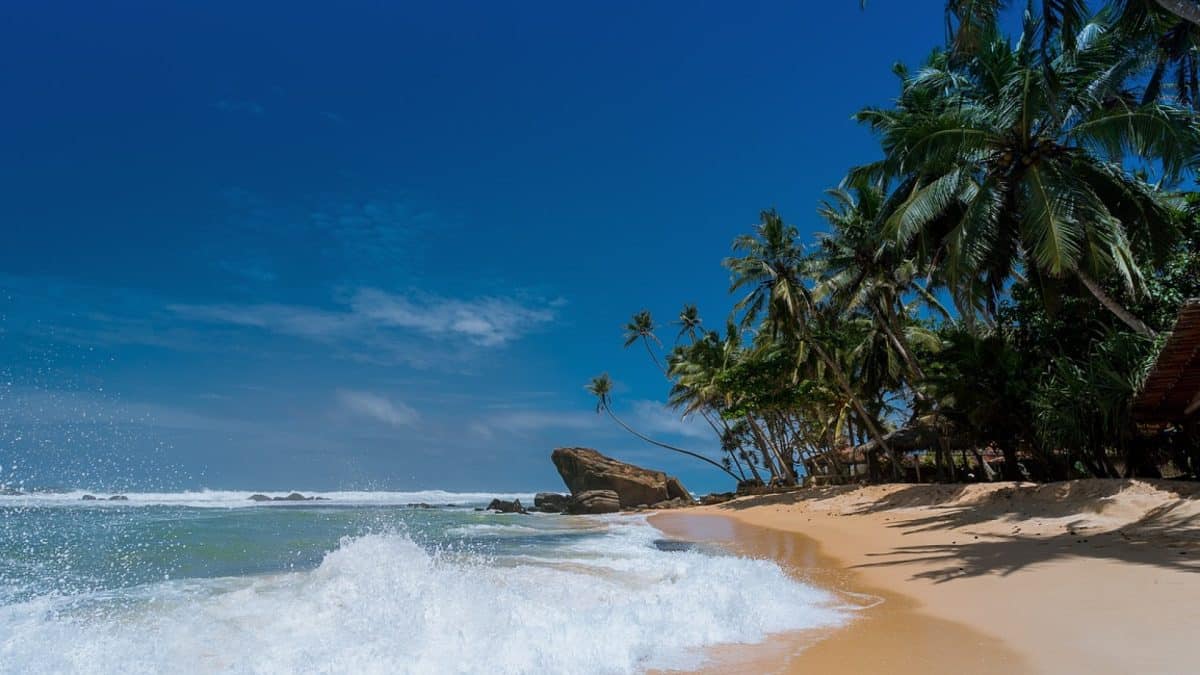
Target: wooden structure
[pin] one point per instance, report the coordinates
(1171, 393)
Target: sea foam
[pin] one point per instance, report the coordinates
(380, 603)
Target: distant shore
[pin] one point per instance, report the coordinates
(1097, 576)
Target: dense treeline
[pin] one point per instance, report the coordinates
(992, 288)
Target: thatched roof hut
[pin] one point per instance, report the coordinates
(1171, 392)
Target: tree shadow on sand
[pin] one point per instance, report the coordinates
(1166, 536)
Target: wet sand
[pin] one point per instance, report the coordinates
(1087, 576)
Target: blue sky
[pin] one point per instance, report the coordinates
(384, 245)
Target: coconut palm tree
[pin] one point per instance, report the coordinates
(601, 387)
(770, 270)
(1012, 166)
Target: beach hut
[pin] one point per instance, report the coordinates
(1167, 407)
(1170, 396)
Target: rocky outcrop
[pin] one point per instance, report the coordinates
(585, 470)
(502, 506)
(550, 502)
(594, 501)
(716, 498)
(88, 498)
(259, 498)
(118, 498)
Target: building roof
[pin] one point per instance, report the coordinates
(1171, 390)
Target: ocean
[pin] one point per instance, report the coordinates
(366, 582)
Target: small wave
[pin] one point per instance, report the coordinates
(237, 498)
(492, 529)
(381, 604)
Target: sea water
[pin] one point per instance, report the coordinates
(368, 582)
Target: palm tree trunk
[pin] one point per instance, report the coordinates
(660, 444)
(1115, 307)
(867, 418)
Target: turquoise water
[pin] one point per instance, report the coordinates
(362, 582)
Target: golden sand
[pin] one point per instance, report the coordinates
(1081, 577)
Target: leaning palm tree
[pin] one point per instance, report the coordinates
(601, 387)
(1013, 166)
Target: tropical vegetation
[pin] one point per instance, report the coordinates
(984, 299)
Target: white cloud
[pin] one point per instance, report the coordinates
(535, 421)
(378, 408)
(484, 322)
(652, 417)
(488, 322)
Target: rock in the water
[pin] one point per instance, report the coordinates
(118, 498)
(583, 470)
(293, 497)
(259, 498)
(503, 506)
(595, 501)
(420, 505)
(88, 498)
(550, 502)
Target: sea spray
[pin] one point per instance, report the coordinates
(440, 592)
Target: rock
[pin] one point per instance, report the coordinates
(673, 503)
(595, 501)
(503, 506)
(293, 497)
(88, 498)
(675, 489)
(585, 470)
(550, 502)
(259, 498)
(716, 498)
(118, 498)
(420, 505)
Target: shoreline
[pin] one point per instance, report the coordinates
(1092, 575)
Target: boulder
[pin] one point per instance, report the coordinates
(584, 470)
(594, 501)
(503, 506)
(259, 498)
(293, 497)
(118, 498)
(550, 502)
(672, 503)
(88, 498)
(716, 498)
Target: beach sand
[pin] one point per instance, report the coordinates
(1092, 576)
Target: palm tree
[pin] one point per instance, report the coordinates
(601, 387)
(641, 327)
(770, 268)
(689, 322)
(1011, 165)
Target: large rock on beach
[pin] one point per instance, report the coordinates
(594, 501)
(550, 502)
(584, 469)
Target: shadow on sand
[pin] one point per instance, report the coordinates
(1167, 535)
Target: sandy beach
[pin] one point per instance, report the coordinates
(1096, 576)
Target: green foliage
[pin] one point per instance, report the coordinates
(1035, 183)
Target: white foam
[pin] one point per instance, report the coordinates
(382, 604)
(236, 498)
